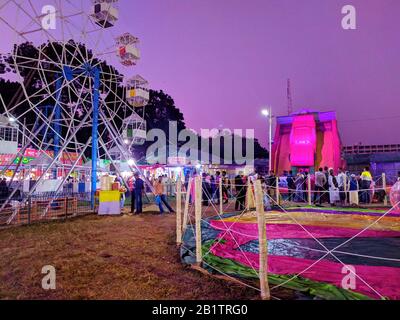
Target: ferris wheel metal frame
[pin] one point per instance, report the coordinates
(91, 96)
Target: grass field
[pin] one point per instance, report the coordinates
(125, 257)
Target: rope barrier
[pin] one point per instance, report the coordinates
(228, 230)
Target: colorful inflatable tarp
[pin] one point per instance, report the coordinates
(368, 241)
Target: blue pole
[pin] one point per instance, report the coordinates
(96, 97)
(56, 122)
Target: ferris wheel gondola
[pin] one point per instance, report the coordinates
(127, 49)
(134, 130)
(104, 13)
(137, 91)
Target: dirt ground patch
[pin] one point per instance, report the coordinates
(126, 257)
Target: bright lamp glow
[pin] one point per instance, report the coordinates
(126, 141)
(11, 119)
(265, 112)
(131, 162)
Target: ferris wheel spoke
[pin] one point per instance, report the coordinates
(57, 82)
(79, 101)
(38, 113)
(33, 19)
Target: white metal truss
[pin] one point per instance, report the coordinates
(75, 26)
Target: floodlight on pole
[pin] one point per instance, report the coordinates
(267, 112)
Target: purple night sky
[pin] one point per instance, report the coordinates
(222, 60)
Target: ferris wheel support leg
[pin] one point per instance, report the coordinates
(57, 119)
(96, 98)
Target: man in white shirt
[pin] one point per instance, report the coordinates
(320, 181)
(341, 183)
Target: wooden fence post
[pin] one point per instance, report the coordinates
(309, 189)
(29, 209)
(179, 211)
(248, 195)
(197, 204)
(345, 188)
(220, 196)
(385, 200)
(262, 240)
(186, 209)
(66, 207)
(278, 197)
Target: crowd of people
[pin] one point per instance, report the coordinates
(326, 187)
(338, 188)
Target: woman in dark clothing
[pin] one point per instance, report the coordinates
(241, 189)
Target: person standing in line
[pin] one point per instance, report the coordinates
(266, 198)
(320, 181)
(217, 179)
(341, 178)
(325, 198)
(159, 191)
(240, 188)
(213, 188)
(366, 180)
(305, 185)
(271, 184)
(225, 185)
(205, 183)
(291, 185)
(333, 188)
(209, 188)
(139, 189)
(353, 190)
(299, 181)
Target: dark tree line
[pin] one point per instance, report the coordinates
(39, 66)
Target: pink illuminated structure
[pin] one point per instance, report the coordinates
(306, 140)
(303, 140)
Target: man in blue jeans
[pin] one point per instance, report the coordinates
(159, 192)
(138, 191)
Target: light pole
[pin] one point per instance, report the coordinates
(267, 112)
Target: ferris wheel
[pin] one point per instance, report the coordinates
(71, 106)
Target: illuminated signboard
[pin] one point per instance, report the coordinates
(25, 160)
(32, 154)
(177, 160)
(303, 141)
